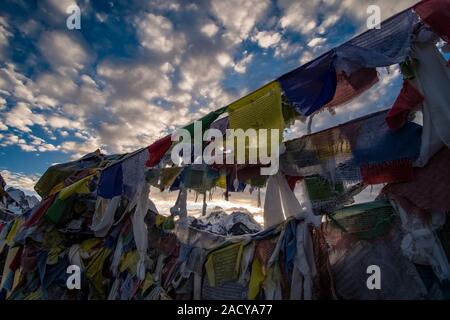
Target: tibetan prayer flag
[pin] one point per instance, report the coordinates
(436, 14)
(349, 87)
(408, 99)
(111, 182)
(381, 47)
(311, 86)
(258, 110)
(206, 120)
(157, 150)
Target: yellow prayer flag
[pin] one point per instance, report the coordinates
(80, 187)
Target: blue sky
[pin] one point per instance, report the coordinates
(139, 69)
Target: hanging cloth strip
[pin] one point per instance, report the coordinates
(433, 81)
(162, 178)
(103, 218)
(312, 150)
(141, 205)
(281, 203)
(180, 207)
(311, 86)
(133, 170)
(324, 195)
(400, 277)
(420, 242)
(304, 269)
(95, 267)
(232, 186)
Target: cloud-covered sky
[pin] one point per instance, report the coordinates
(138, 69)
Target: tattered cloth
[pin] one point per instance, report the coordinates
(365, 220)
(351, 86)
(200, 178)
(364, 142)
(389, 172)
(430, 190)
(436, 14)
(162, 178)
(57, 174)
(258, 110)
(372, 141)
(408, 99)
(222, 265)
(206, 120)
(388, 45)
(312, 85)
(157, 150)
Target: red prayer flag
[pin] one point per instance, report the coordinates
(436, 14)
(157, 150)
(408, 99)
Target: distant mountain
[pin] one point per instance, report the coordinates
(24, 201)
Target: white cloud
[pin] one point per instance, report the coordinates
(15, 84)
(241, 66)
(60, 122)
(4, 35)
(305, 57)
(61, 5)
(316, 42)
(224, 59)
(22, 117)
(78, 149)
(210, 29)
(319, 16)
(2, 103)
(157, 33)
(35, 143)
(239, 17)
(300, 16)
(133, 80)
(20, 180)
(64, 51)
(286, 48)
(266, 39)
